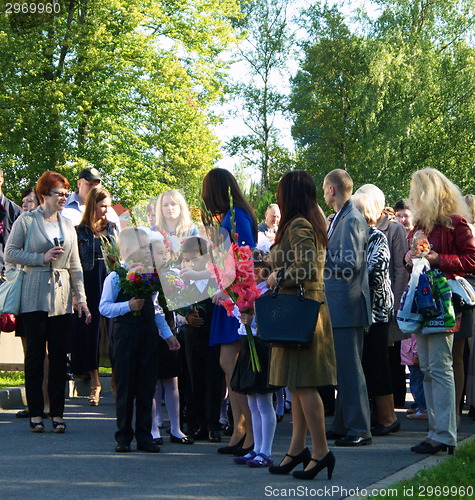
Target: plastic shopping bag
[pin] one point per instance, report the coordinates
(409, 319)
(445, 321)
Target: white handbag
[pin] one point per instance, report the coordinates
(10, 289)
(463, 294)
(10, 292)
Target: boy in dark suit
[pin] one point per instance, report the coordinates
(206, 376)
(135, 346)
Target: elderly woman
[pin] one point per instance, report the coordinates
(45, 243)
(396, 236)
(375, 347)
(440, 211)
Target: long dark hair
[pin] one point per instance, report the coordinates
(215, 194)
(94, 196)
(297, 196)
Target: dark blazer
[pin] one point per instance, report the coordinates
(12, 211)
(346, 271)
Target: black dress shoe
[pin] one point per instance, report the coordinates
(334, 435)
(214, 437)
(148, 447)
(158, 440)
(122, 448)
(200, 434)
(426, 447)
(353, 441)
(183, 440)
(384, 430)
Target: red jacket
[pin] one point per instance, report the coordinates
(456, 247)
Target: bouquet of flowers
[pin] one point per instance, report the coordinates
(420, 244)
(179, 296)
(139, 282)
(110, 253)
(235, 276)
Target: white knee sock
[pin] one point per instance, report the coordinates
(172, 403)
(268, 422)
(256, 421)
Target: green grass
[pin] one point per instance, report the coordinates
(452, 479)
(11, 379)
(15, 378)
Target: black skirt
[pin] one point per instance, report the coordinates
(244, 380)
(169, 362)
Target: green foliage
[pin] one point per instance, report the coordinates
(125, 85)
(11, 379)
(390, 101)
(265, 49)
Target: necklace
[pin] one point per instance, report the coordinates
(48, 219)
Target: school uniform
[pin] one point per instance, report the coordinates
(135, 341)
(206, 376)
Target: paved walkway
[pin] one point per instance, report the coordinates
(82, 464)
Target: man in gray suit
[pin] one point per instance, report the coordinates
(348, 298)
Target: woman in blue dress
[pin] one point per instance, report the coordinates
(217, 186)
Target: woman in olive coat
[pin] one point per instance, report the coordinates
(300, 248)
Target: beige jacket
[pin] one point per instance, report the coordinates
(46, 287)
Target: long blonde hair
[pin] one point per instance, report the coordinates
(433, 199)
(185, 223)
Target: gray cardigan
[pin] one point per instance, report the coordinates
(46, 287)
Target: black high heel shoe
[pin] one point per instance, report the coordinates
(327, 462)
(303, 457)
(230, 450)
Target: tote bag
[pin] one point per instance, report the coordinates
(10, 289)
(285, 320)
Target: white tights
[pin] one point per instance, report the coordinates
(263, 422)
(169, 386)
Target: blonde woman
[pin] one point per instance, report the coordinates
(439, 209)
(173, 215)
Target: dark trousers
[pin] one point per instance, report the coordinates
(135, 361)
(375, 360)
(206, 378)
(39, 330)
(398, 375)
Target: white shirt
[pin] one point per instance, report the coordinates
(109, 308)
(74, 210)
(237, 314)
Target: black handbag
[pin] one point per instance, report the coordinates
(285, 320)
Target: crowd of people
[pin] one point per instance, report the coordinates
(357, 263)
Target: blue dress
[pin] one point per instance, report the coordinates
(224, 328)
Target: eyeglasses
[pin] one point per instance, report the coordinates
(62, 194)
